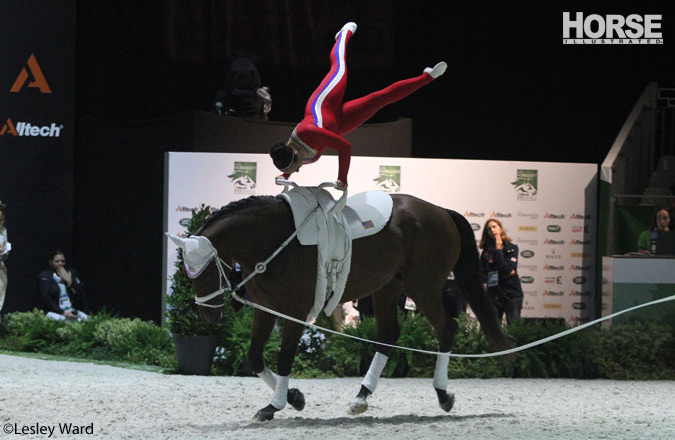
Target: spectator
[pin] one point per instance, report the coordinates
(62, 291)
(243, 96)
(662, 223)
(499, 263)
(5, 247)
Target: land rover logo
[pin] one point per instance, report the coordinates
(527, 280)
(553, 228)
(184, 222)
(527, 253)
(579, 280)
(579, 306)
(475, 226)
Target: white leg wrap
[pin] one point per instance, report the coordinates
(441, 373)
(374, 372)
(280, 393)
(269, 378)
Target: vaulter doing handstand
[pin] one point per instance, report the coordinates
(327, 118)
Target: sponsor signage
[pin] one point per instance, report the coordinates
(530, 215)
(244, 177)
(526, 185)
(31, 76)
(527, 228)
(30, 129)
(579, 280)
(389, 179)
(552, 267)
(552, 242)
(527, 280)
(527, 253)
(553, 228)
(469, 214)
(553, 306)
(577, 267)
(553, 293)
(475, 226)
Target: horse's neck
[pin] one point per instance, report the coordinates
(254, 234)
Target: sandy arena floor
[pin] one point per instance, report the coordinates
(118, 403)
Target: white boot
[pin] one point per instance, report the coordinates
(437, 70)
(351, 26)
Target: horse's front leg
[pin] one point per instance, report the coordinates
(289, 345)
(386, 314)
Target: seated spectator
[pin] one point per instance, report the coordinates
(243, 96)
(62, 291)
(661, 223)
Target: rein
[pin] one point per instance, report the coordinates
(262, 266)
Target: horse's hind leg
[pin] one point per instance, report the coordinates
(263, 323)
(385, 304)
(429, 300)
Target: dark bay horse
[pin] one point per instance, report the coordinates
(414, 253)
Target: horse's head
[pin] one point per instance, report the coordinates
(201, 266)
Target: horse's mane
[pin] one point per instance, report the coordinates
(235, 207)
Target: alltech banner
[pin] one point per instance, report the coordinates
(37, 100)
(548, 209)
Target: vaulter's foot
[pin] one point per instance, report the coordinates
(351, 26)
(437, 70)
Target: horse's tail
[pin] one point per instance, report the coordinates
(468, 276)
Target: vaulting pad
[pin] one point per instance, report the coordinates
(366, 213)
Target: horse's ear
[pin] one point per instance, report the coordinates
(180, 242)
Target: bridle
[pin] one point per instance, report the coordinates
(260, 267)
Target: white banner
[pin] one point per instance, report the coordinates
(548, 209)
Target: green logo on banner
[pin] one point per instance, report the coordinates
(526, 184)
(389, 179)
(244, 177)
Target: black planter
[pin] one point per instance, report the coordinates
(195, 353)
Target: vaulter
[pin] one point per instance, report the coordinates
(327, 118)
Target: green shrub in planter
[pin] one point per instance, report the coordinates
(182, 315)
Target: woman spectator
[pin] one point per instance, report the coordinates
(499, 263)
(661, 223)
(4, 251)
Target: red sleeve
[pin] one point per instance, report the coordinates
(320, 139)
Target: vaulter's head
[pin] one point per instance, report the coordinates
(285, 158)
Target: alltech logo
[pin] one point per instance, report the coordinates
(30, 129)
(31, 76)
(612, 29)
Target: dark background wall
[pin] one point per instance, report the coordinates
(36, 173)
(513, 91)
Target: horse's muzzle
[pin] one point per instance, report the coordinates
(210, 315)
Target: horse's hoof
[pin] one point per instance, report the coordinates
(266, 414)
(296, 399)
(446, 402)
(359, 406)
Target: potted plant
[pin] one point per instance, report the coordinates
(195, 340)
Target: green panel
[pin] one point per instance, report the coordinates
(633, 294)
(630, 222)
